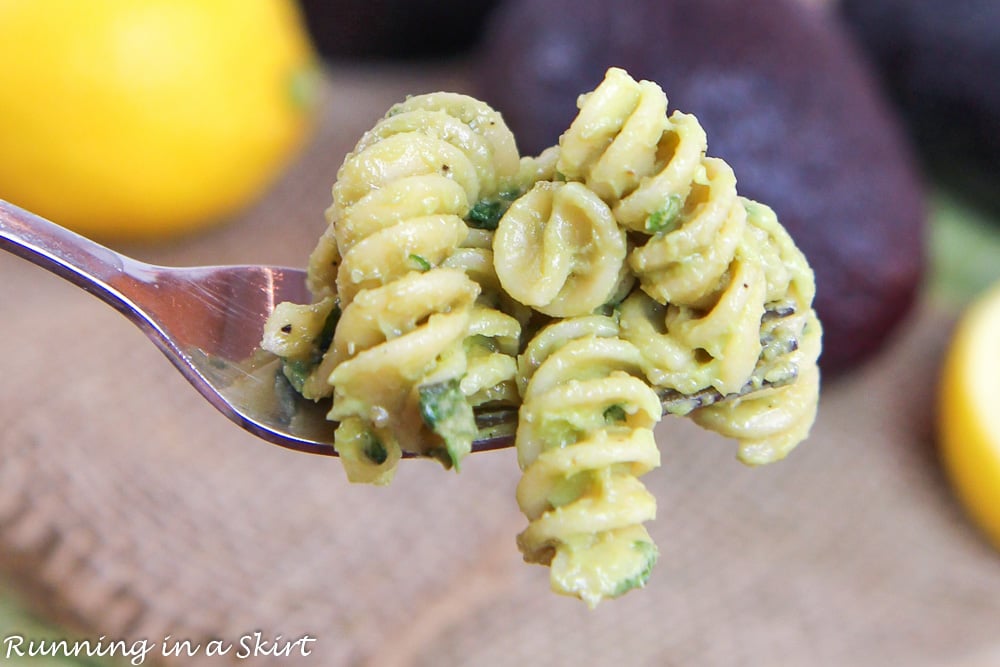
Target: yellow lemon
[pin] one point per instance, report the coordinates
(969, 415)
(140, 119)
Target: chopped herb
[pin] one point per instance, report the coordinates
(326, 334)
(666, 218)
(421, 263)
(439, 401)
(611, 308)
(614, 413)
(486, 214)
(297, 371)
(648, 553)
(446, 411)
(375, 450)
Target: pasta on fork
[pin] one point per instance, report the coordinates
(577, 287)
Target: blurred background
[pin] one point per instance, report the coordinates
(210, 131)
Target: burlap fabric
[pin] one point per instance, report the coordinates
(129, 508)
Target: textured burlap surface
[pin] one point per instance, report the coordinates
(129, 508)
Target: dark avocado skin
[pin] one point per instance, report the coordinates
(940, 61)
(394, 29)
(784, 99)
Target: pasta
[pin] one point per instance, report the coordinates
(580, 287)
(417, 341)
(585, 434)
(559, 250)
(771, 422)
(710, 264)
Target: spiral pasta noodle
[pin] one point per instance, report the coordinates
(416, 341)
(698, 316)
(584, 437)
(710, 263)
(559, 250)
(494, 333)
(769, 423)
(711, 268)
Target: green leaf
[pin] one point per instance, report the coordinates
(666, 218)
(486, 214)
(446, 411)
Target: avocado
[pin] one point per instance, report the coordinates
(784, 97)
(940, 61)
(394, 29)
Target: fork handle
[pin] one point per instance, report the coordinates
(85, 263)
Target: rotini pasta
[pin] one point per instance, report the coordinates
(417, 341)
(559, 250)
(584, 437)
(710, 266)
(581, 287)
(706, 275)
(494, 333)
(769, 423)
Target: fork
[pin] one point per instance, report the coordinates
(209, 320)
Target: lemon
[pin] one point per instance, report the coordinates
(142, 119)
(969, 414)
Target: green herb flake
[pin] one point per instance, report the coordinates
(647, 553)
(486, 214)
(374, 450)
(614, 414)
(297, 372)
(665, 219)
(421, 263)
(447, 412)
(326, 334)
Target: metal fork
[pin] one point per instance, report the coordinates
(208, 321)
